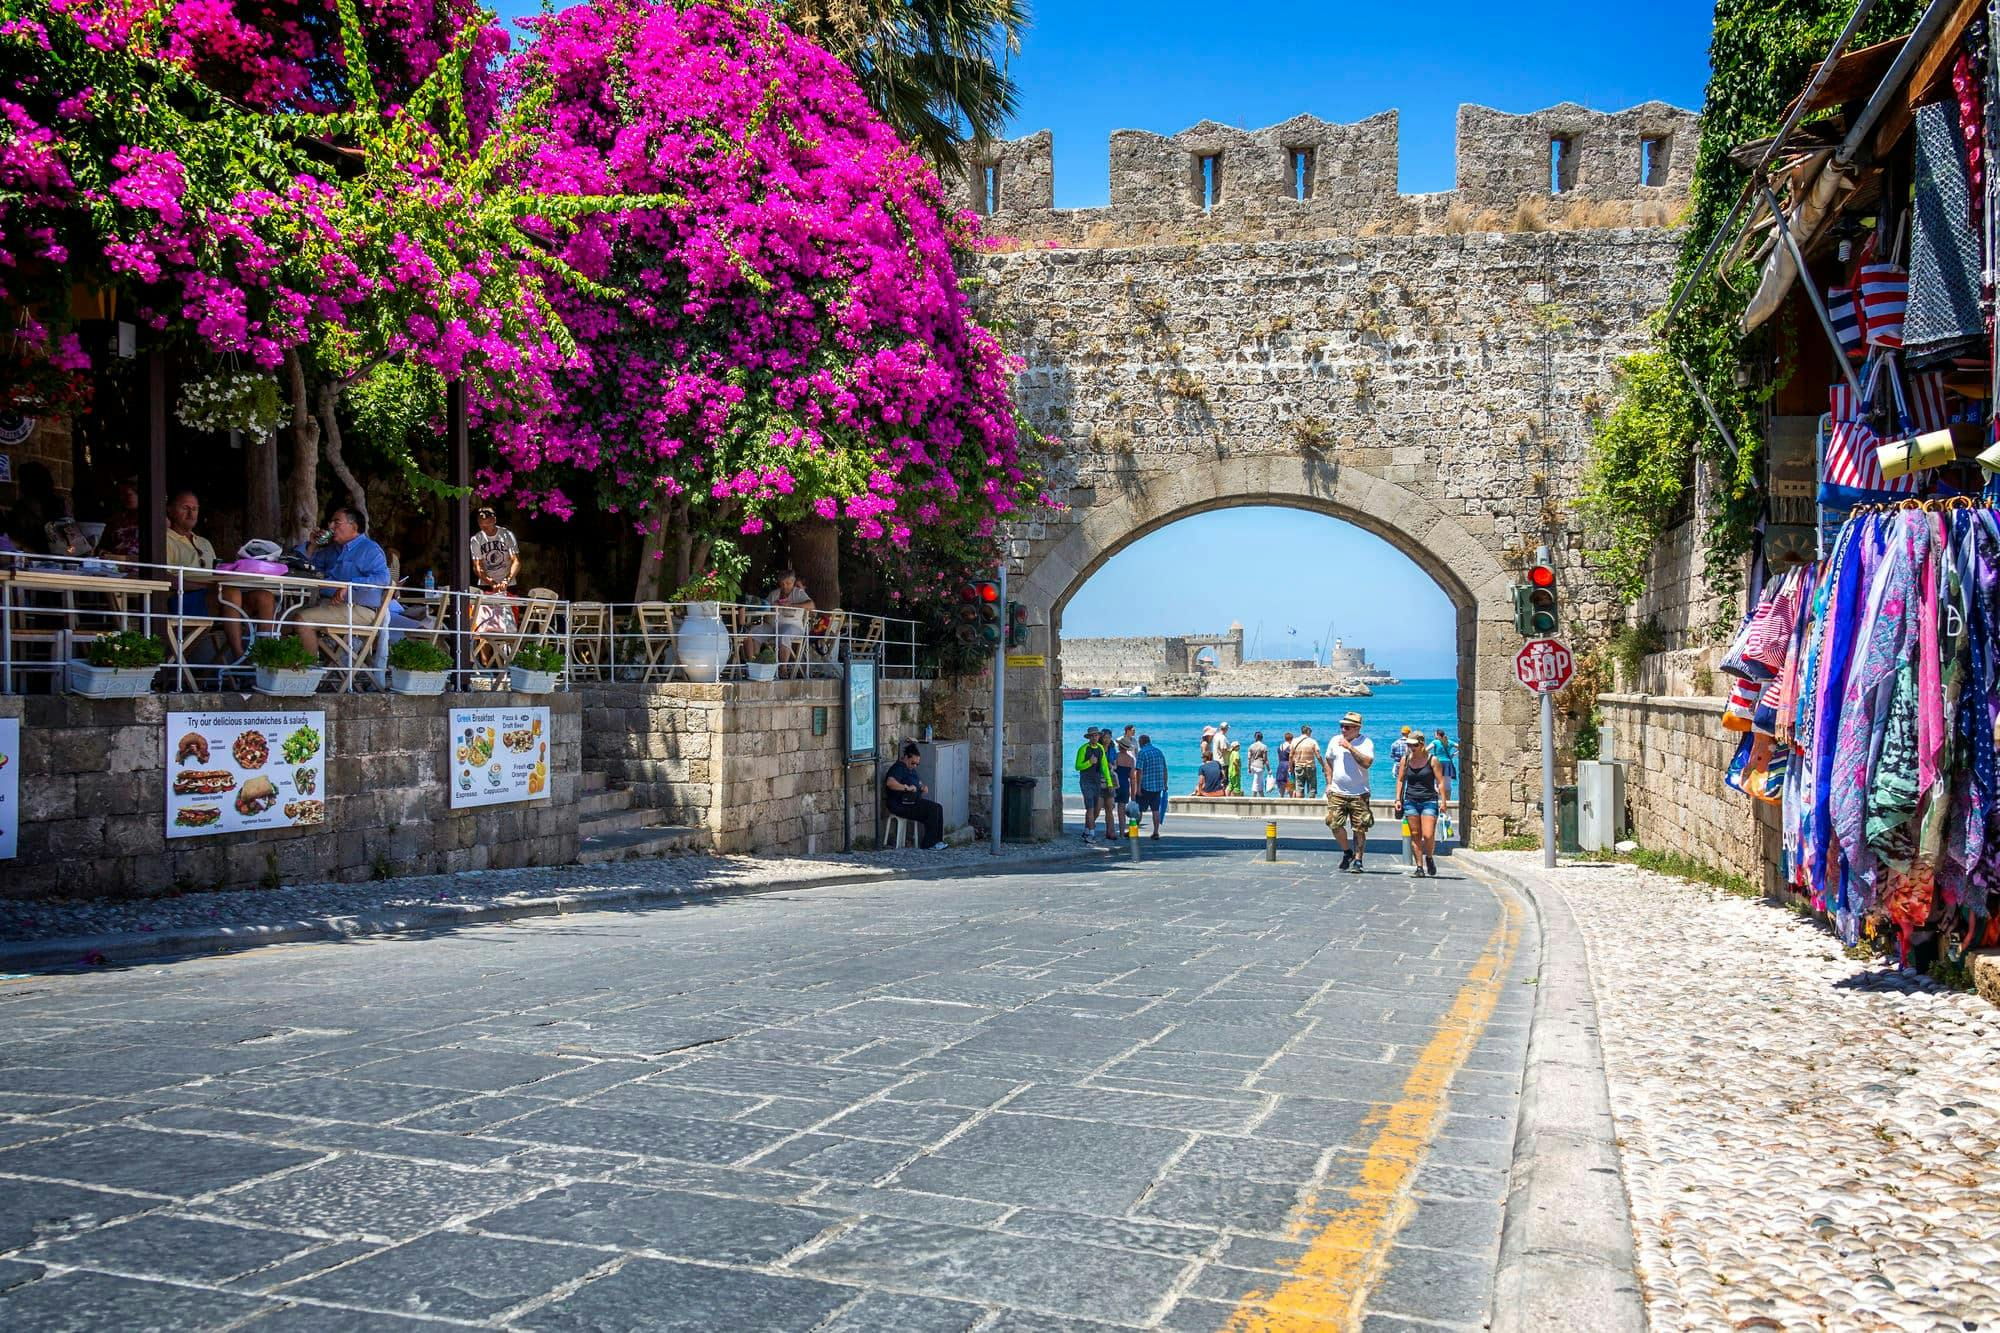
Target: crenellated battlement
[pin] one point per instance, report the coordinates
(1566, 167)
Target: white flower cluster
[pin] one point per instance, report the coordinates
(232, 400)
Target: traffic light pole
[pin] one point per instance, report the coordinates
(1548, 779)
(999, 711)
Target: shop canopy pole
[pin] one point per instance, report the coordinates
(1714, 418)
(1727, 230)
(1812, 294)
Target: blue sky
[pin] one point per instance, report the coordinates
(1275, 570)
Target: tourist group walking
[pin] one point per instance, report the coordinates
(1117, 770)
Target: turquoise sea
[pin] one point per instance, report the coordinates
(1175, 724)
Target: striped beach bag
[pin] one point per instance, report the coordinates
(1846, 318)
(1850, 473)
(1882, 292)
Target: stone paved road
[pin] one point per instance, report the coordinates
(1810, 1141)
(1206, 1093)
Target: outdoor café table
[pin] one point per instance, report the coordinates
(116, 589)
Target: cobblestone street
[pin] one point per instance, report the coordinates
(1205, 1092)
(1809, 1141)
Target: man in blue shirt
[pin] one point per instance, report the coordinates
(1152, 781)
(347, 555)
(903, 794)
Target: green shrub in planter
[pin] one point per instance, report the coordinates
(539, 657)
(283, 653)
(417, 655)
(125, 651)
(767, 656)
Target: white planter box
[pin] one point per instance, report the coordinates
(417, 682)
(97, 682)
(531, 682)
(294, 681)
(763, 671)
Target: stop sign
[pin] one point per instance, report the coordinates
(1543, 665)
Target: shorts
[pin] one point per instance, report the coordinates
(1411, 809)
(1093, 787)
(1156, 801)
(1351, 810)
(1306, 780)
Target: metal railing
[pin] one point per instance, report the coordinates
(731, 641)
(52, 607)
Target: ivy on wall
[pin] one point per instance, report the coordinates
(1646, 448)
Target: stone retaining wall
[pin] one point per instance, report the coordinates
(739, 760)
(1675, 754)
(93, 798)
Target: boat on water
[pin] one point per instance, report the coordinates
(1071, 693)
(1129, 692)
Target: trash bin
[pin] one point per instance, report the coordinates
(1566, 840)
(1017, 809)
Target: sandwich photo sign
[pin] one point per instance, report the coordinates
(233, 772)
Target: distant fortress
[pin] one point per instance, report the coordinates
(1195, 664)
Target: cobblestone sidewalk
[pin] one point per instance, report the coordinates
(1809, 1141)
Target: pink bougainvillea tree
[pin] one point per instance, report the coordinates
(790, 343)
(323, 228)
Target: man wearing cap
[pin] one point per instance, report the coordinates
(1347, 762)
(496, 556)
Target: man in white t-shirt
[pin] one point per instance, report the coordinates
(1348, 758)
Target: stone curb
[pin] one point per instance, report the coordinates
(1567, 1260)
(141, 946)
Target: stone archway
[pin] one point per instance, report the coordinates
(1495, 719)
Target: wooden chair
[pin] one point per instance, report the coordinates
(589, 639)
(655, 623)
(182, 633)
(356, 643)
(868, 643)
(825, 648)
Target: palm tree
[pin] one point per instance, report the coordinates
(935, 69)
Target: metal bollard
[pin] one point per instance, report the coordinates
(1271, 840)
(1132, 827)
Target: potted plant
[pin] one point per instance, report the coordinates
(701, 639)
(285, 666)
(233, 400)
(765, 665)
(117, 666)
(535, 668)
(417, 667)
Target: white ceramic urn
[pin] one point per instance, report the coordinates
(703, 641)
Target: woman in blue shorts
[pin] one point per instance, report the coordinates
(1421, 792)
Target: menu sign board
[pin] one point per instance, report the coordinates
(10, 785)
(233, 772)
(498, 756)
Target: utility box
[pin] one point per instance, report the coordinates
(1600, 804)
(946, 768)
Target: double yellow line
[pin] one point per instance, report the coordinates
(1350, 1232)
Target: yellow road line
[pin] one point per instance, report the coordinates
(1350, 1233)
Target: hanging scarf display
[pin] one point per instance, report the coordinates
(1876, 727)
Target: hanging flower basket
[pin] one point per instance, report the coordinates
(233, 400)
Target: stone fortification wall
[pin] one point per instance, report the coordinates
(93, 798)
(1259, 678)
(1162, 186)
(1104, 663)
(739, 760)
(1675, 753)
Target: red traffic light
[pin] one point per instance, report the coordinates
(968, 592)
(989, 592)
(1541, 576)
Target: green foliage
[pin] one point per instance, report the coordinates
(282, 653)
(1515, 842)
(397, 410)
(417, 655)
(721, 582)
(1761, 55)
(1632, 643)
(539, 657)
(1681, 866)
(1641, 464)
(125, 650)
(766, 656)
